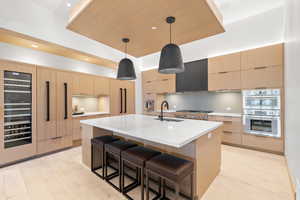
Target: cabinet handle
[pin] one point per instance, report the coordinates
(66, 100)
(260, 88)
(121, 95)
(258, 68)
(165, 79)
(223, 72)
(55, 138)
(125, 93)
(230, 132)
(48, 101)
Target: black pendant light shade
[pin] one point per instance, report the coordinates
(170, 58)
(126, 68)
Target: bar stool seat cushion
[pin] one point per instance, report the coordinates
(139, 154)
(101, 140)
(118, 146)
(170, 167)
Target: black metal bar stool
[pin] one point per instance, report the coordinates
(170, 168)
(115, 149)
(98, 153)
(136, 156)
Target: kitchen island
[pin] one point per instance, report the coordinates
(196, 140)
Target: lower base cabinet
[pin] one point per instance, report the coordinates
(54, 144)
(263, 143)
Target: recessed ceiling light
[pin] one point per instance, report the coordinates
(34, 45)
(154, 27)
(69, 5)
(87, 59)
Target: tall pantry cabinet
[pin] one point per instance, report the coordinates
(54, 110)
(17, 111)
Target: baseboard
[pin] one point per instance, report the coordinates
(293, 184)
(253, 148)
(77, 143)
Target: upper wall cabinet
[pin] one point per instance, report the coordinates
(154, 82)
(83, 84)
(101, 86)
(227, 63)
(263, 57)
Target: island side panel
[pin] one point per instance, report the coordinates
(208, 160)
(87, 133)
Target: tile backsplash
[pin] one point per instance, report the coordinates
(228, 102)
(86, 104)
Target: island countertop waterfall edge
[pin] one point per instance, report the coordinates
(196, 140)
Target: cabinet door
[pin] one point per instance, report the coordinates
(115, 97)
(226, 63)
(101, 86)
(86, 84)
(149, 87)
(262, 77)
(263, 57)
(150, 75)
(64, 104)
(46, 104)
(130, 95)
(82, 84)
(76, 129)
(224, 81)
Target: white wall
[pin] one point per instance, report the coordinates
(292, 87)
(260, 30)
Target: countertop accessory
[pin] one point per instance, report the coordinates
(170, 58)
(126, 68)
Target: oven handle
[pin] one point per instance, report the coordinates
(260, 117)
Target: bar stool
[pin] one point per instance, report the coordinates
(170, 168)
(136, 156)
(97, 153)
(115, 149)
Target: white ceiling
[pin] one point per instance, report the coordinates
(235, 10)
(232, 10)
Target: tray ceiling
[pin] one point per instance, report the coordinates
(108, 21)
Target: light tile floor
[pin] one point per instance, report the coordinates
(245, 175)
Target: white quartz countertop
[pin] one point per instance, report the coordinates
(226, 114)
(90, 114)
(175, 134)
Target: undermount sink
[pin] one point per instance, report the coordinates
(170, 120)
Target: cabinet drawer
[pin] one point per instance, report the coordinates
(166, 86)
(233, 126)
(263, 143)
(149, 87)
(262, 77)
(232, 137)
(54, 144)
(224, 81)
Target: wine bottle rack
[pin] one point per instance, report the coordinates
(17, 109)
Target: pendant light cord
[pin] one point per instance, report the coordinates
(170, 33)
(125, 50)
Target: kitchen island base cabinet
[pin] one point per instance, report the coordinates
(205, 152)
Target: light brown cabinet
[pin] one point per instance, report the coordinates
(156, 83)
(122, 97)
(101, 86)
(17, 91)
(54, 110)
(226, 63)
(262, 77)
(224, 81)
(83, 84)
(263, 57)
(263, 143)
(231, 129)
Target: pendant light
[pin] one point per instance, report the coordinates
(126, 69)
(170, 58)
